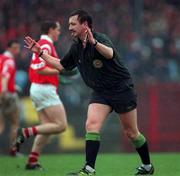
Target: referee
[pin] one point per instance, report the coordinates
(102, 70)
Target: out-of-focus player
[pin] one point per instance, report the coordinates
(9, 102)
(43, 92)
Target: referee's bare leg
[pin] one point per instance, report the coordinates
(130, 128)
(97, 114)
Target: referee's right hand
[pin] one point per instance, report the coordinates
(32, 45)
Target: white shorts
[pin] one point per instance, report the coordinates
(44, 95)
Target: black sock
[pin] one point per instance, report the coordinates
(144, 153)
(92, 148)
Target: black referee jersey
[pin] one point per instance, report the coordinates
(98, 72)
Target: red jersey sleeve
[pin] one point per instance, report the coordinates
(8, 68)
(38, 62)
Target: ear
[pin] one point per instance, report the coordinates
(86, 23)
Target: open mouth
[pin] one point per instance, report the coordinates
(73, 33)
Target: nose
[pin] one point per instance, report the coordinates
(70, 27)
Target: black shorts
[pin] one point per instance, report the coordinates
(120, 102)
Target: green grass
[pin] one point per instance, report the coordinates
(107, 165)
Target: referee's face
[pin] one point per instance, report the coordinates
(76, 29)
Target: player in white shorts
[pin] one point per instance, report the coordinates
(43, 92)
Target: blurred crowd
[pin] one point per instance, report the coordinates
(146, 32)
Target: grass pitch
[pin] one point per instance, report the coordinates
(166, 164)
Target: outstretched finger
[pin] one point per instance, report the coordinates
(27, 42)
(29, 39)
(26, 46)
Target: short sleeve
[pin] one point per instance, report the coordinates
(104, 39)
(8, 68)
(38, 62)
(46, 48)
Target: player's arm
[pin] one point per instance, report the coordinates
(4, 83)
(104, 50)
(45, 69)
(33, 46)
(54, 62)
(7, 70)
(48, 71)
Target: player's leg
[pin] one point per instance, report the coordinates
(11, 113)
(130, 128)
(14, 124)
(46, 98)
(2, 124)
(57, 123)
(97, 113)
(54, 114)
(39, 142)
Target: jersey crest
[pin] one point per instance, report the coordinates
(97, 63)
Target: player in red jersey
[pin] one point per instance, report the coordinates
(43, 92)
(8, 98)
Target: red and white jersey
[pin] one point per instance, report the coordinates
(37, 63)
(8, 70)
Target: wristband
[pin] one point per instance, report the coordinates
(95, 43)
(41, 53)
(32, 46)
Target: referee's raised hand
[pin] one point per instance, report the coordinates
(90, 36)
(32, 45)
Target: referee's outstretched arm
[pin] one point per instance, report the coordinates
(33, 46)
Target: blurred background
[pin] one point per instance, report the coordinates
(146, 33)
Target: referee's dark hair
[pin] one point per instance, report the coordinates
(46, 25)
(11, 42)
(82, 16)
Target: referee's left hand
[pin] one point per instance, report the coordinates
(90, 36)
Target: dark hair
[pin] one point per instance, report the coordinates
(11, 42)
(82, 16)
(46, 25)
